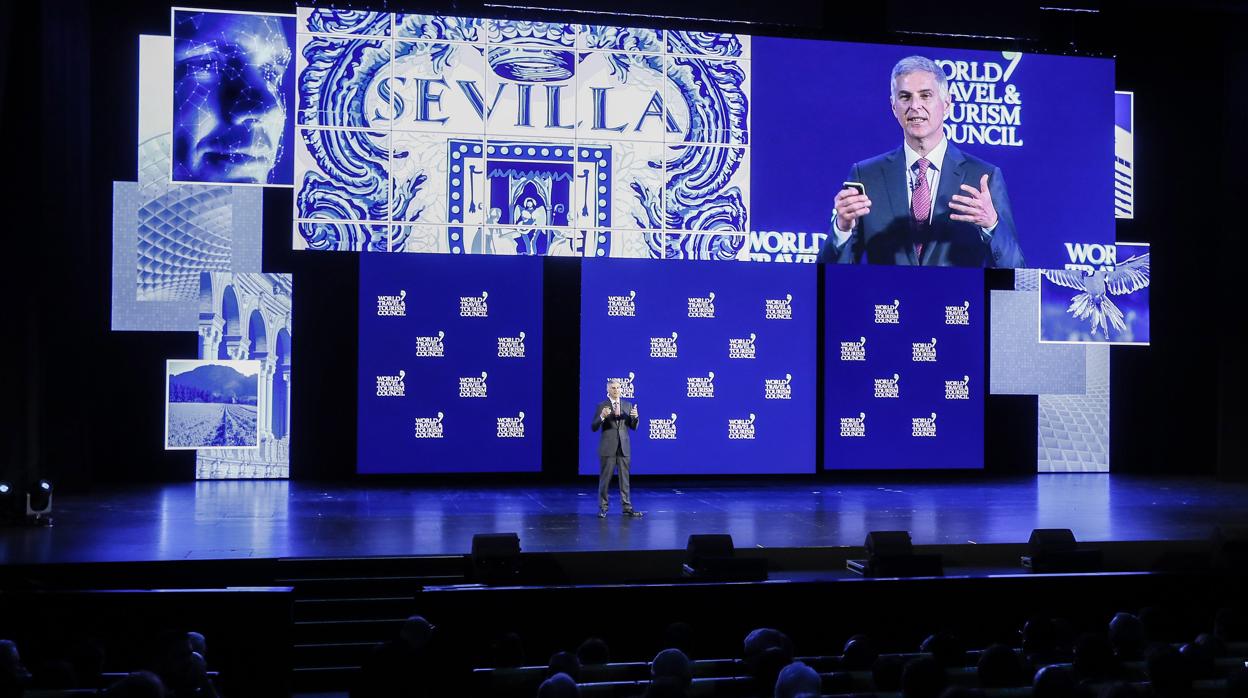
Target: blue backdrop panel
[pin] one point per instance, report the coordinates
(821, 106)
(904, 367)
(450, 364)
(719, 358)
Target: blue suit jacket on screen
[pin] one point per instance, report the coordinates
(885, 235)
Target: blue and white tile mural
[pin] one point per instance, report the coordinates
(422, 133)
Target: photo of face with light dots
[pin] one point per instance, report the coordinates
(231, 92)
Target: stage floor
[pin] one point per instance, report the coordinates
(259, 519)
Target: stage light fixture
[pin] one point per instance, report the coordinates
(496, 558)
(26, 507)
(712, 557)
(1055, 550)
(891, 554)
(10, 506)
(39, 504)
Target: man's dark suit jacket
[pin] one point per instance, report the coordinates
(614, 429)
(886, 235)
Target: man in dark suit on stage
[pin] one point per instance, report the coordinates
(614, 417)
(926, 203)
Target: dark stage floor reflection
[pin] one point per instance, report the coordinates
(258, 519)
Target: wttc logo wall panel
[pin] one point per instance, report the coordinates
(904, 368)
(450, 364)
(718, 358)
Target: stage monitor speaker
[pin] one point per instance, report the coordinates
(708, 545)
(1052, 540)
(891, 554)
(712, 557)
(496, 557)
(1055, 550)
(888, 543)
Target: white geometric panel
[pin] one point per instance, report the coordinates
(1074, 429)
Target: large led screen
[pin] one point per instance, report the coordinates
(248, 316)
(232, 93)
(719, 360)
(903, 368)
(1104, 302)
(450, 364)
(1038, 125)
(461, 135)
